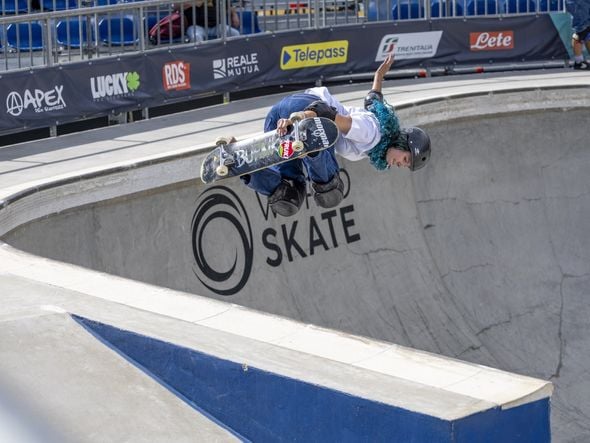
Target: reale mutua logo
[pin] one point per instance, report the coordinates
(236, 66)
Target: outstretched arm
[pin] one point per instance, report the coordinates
(344, 122)
(380, 73)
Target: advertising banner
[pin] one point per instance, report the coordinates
(57, 95)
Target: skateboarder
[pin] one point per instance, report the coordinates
(371, 132)
(580, 11)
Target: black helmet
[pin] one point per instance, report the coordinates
(419, 146)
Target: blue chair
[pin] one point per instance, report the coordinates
(439, 8)
(550, 5)
(58, 5)
(378, 10)
(481, 7)
(118, 31)
(72, 33)
(249, 22)
(25, 36)
(14, 6)
(406, 10)
(519, 6)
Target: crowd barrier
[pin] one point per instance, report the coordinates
(87, 61)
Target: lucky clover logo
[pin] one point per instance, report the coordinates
(133, 81)
(120, 84)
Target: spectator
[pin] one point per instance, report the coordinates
(202, 21)
(580, 11)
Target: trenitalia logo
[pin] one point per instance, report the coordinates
(314, 54)
(491, 41)
(412, 45)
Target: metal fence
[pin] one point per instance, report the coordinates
(41, 33)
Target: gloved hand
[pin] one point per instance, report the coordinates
(322, 109)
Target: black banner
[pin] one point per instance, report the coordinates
(56, 95)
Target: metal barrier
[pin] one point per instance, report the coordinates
(84, 29)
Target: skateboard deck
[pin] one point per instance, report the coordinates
(253, 154)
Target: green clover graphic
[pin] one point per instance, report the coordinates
(133, 81)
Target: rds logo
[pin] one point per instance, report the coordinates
(314, 54)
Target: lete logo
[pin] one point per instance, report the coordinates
(491, 41)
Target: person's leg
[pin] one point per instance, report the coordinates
(322, 168)
(323, 171)
(264, 181)
(579, 40)
(282, 185)
(215, 32)
(196, 33)
(580, 11)
(587, 44)
(284, 108)
(288, 193)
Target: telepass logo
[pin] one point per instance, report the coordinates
(312, 55)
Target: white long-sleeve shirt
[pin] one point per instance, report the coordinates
(364, 134)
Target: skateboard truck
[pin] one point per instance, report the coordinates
(224, 157)
(295, 118)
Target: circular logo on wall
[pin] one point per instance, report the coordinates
(220, 222)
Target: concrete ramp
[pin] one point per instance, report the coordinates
(481, 256)
(59, 383)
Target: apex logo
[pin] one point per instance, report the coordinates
(176, 76)
(491, 41)
(37, 99)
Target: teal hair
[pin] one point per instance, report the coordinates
(391, 134)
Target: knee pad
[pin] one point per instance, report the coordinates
(322, 109)
(287, 198)
(328, 195)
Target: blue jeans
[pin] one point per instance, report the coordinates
(320, 169)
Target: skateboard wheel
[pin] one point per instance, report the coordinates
(222, 141)
(222, 170)
(297, 116)
(297, 146)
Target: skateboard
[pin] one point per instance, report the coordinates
(232, 158)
